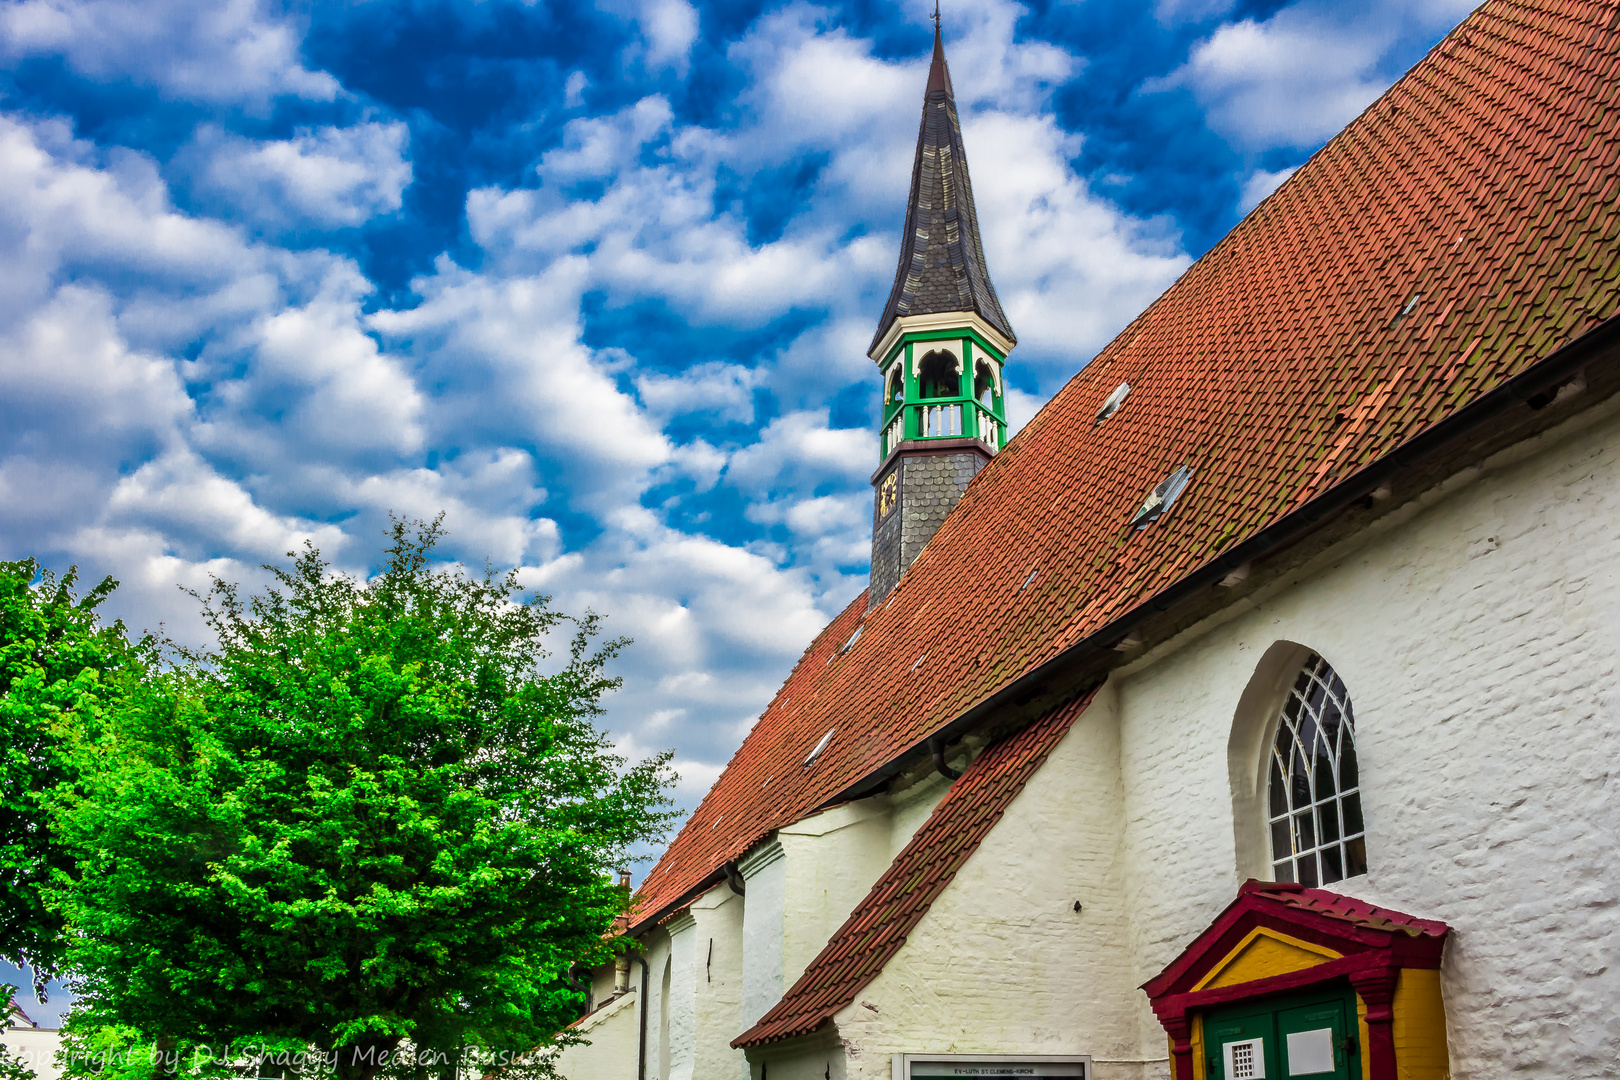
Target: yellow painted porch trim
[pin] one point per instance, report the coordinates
(1200, 1072)
(1420, 1027)
(1263, 953)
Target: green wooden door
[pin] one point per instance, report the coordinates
(1304, 1035)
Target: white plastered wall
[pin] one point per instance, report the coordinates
(765, 877)
(1002, 963)
(1477, 630)
(717, 983)
(611, 1054)
(36, 1048)
(832, 859)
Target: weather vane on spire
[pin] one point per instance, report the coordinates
(936, 15)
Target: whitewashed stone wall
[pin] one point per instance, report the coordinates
(1002, 963)
(1477, 632)
(36, 1048)
(765, 875)
(611, 1055)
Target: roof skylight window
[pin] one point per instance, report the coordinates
(1407, 310)
(1029, 579)
(1115, 400)
(853, 638)
(820, 746)
(1161, 498)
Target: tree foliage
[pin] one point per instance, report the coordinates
(367, 821)
(57, 658)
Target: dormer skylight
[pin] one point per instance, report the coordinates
(1115, 400)
(1161, 498)
(820, 746)
(849, 643)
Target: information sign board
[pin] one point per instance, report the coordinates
(991, 1066)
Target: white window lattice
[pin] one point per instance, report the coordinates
(1245, 1060)
(1317, 833)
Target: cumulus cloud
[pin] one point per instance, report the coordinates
(801, 446)
(1298, 76)
(1261, 182)
(206, 50)
(722, 391)
(241, 388)
(326, 177)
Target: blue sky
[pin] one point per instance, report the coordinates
(596, 282)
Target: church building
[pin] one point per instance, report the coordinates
(1255, 711)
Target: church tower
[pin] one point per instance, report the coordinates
(940, 346)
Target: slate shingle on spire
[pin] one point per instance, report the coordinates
(941, 256)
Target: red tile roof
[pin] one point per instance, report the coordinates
(1293, 354)
(1344, 908)
(879, 924)
(1367, 938)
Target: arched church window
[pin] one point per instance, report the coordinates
(1317, 835)
(897, 387)
(984, 385)
(940, 375)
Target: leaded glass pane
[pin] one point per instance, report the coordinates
(1304, 832)
(1356, 855)
(1311, 814)
(1352, 814)
(1280, 843)
(1349, 774)
(1329, 817)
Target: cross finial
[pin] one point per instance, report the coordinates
(936, 16)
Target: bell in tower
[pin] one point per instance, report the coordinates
(940, 346)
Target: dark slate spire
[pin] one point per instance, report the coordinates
(941, 257)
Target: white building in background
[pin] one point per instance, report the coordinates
(31, 1044)
(1253, 713)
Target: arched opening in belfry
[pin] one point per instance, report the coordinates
(984, 385)
(897, 388)
(940, 375)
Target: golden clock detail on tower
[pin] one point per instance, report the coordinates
(887, 493)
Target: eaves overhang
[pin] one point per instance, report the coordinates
(1519, 408)
(1591, 363)
(944, 320)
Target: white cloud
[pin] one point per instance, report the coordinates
(305, 413)
(197, 510)
(1297, 77)
(327, 176)
(1070, 268)
(208, 50)
(715, 388)
(574, 89)
(802, 446)
(1173, 12)
(669, 28)
(1261, 183)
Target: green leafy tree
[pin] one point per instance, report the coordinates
(57, 658)
(369, 822)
